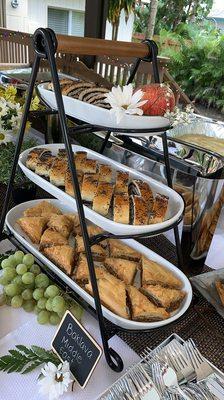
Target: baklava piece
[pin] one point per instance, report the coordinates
(170, 299)
(96, 230)
(112, 294)
(140, 188)
(58, 172)
(118, 249)
(220, 289)
(142, 309)
(42, 208)
(139, 211)
(159, 209)
(103, 197)
(105, 173)
(156, 274)
(122, 269)
(89, 187)
(61, 224)
(62, 256)
(121, 208)
(69, 184)
(33, 157)
(33, 227)
(98, 252)
(81, 274)
(121, 184)
(52, 238)
(74, 218)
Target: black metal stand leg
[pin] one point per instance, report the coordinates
(45, 45)
(170, 184)
(19, 142)
(107, 137)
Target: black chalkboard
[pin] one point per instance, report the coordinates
(73, 343)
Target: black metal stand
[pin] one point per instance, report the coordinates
(45, 46)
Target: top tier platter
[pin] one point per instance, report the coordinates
(175, 207)
(99, 116)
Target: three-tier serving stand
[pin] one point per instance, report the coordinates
(45, 47)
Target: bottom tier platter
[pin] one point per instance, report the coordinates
(17, 212)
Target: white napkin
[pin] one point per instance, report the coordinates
(15, 386)
(215, 258)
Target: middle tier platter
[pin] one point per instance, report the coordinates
(139, 289)
(116, 198)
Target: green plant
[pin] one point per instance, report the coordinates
(6, 159)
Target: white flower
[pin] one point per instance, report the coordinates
(5, 138)
(55, 381)
(124, 101)
(180, 117)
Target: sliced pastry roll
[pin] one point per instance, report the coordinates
(62, 256)
(105, 173)
(98, 252)
(58, 171)
(33, 227)
(44, 165)
(42, 208)
(122, 269)
(112, 294)
(140, 188)
(121, 208)
(121, 184)
(156, 274)
(61, 224)
(79, 158)
(168, 298)
(102, 199)
(143, 309)
(89, 187)
(89, 166)
(69, 184)
(52, 238)
(74, 86)
(118, 249)
(159, 209)
(220, 289)
(139, 211)
(33, 157)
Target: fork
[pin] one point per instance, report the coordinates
(200, 365)
(180, 361)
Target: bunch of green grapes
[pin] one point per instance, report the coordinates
(27, 287)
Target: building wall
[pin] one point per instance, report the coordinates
(125, 29)
(32, 14)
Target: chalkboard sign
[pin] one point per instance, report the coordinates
(73, 343)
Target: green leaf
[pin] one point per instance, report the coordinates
(32, 366)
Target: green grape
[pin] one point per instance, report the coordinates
(35, 269)
(43, 317)
(51, 291)
(49, 304)
(38, 293)
(28, 259)
(42, 281)
(12, 261)
(27, 294)
(3, 280)
(28, 305)
(18, 280)
(21, 269)
(58, 304)
(11, 289)
(54, 319)
(19, 256)
(16, 301)
(31, 286)
(28, 278)
(9, 273)
(42, 303)
(5, 263)
(36, 309)
(8, 300)
(3, 299)
(77, 311)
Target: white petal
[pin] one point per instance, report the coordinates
(137, 96)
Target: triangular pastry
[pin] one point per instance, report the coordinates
(122, 269)
(143, 309)
(61, 224)
(82, 270)
(33, 227)
(98, 252)
(164, 297)
(43, 207)
(62, 256)
(120, 250)
(112, 294)
(156, 274)
(52, 238)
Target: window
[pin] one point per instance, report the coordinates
(66, 22)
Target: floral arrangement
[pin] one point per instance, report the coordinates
(11, 109)
(152, 99)
(55, 377)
